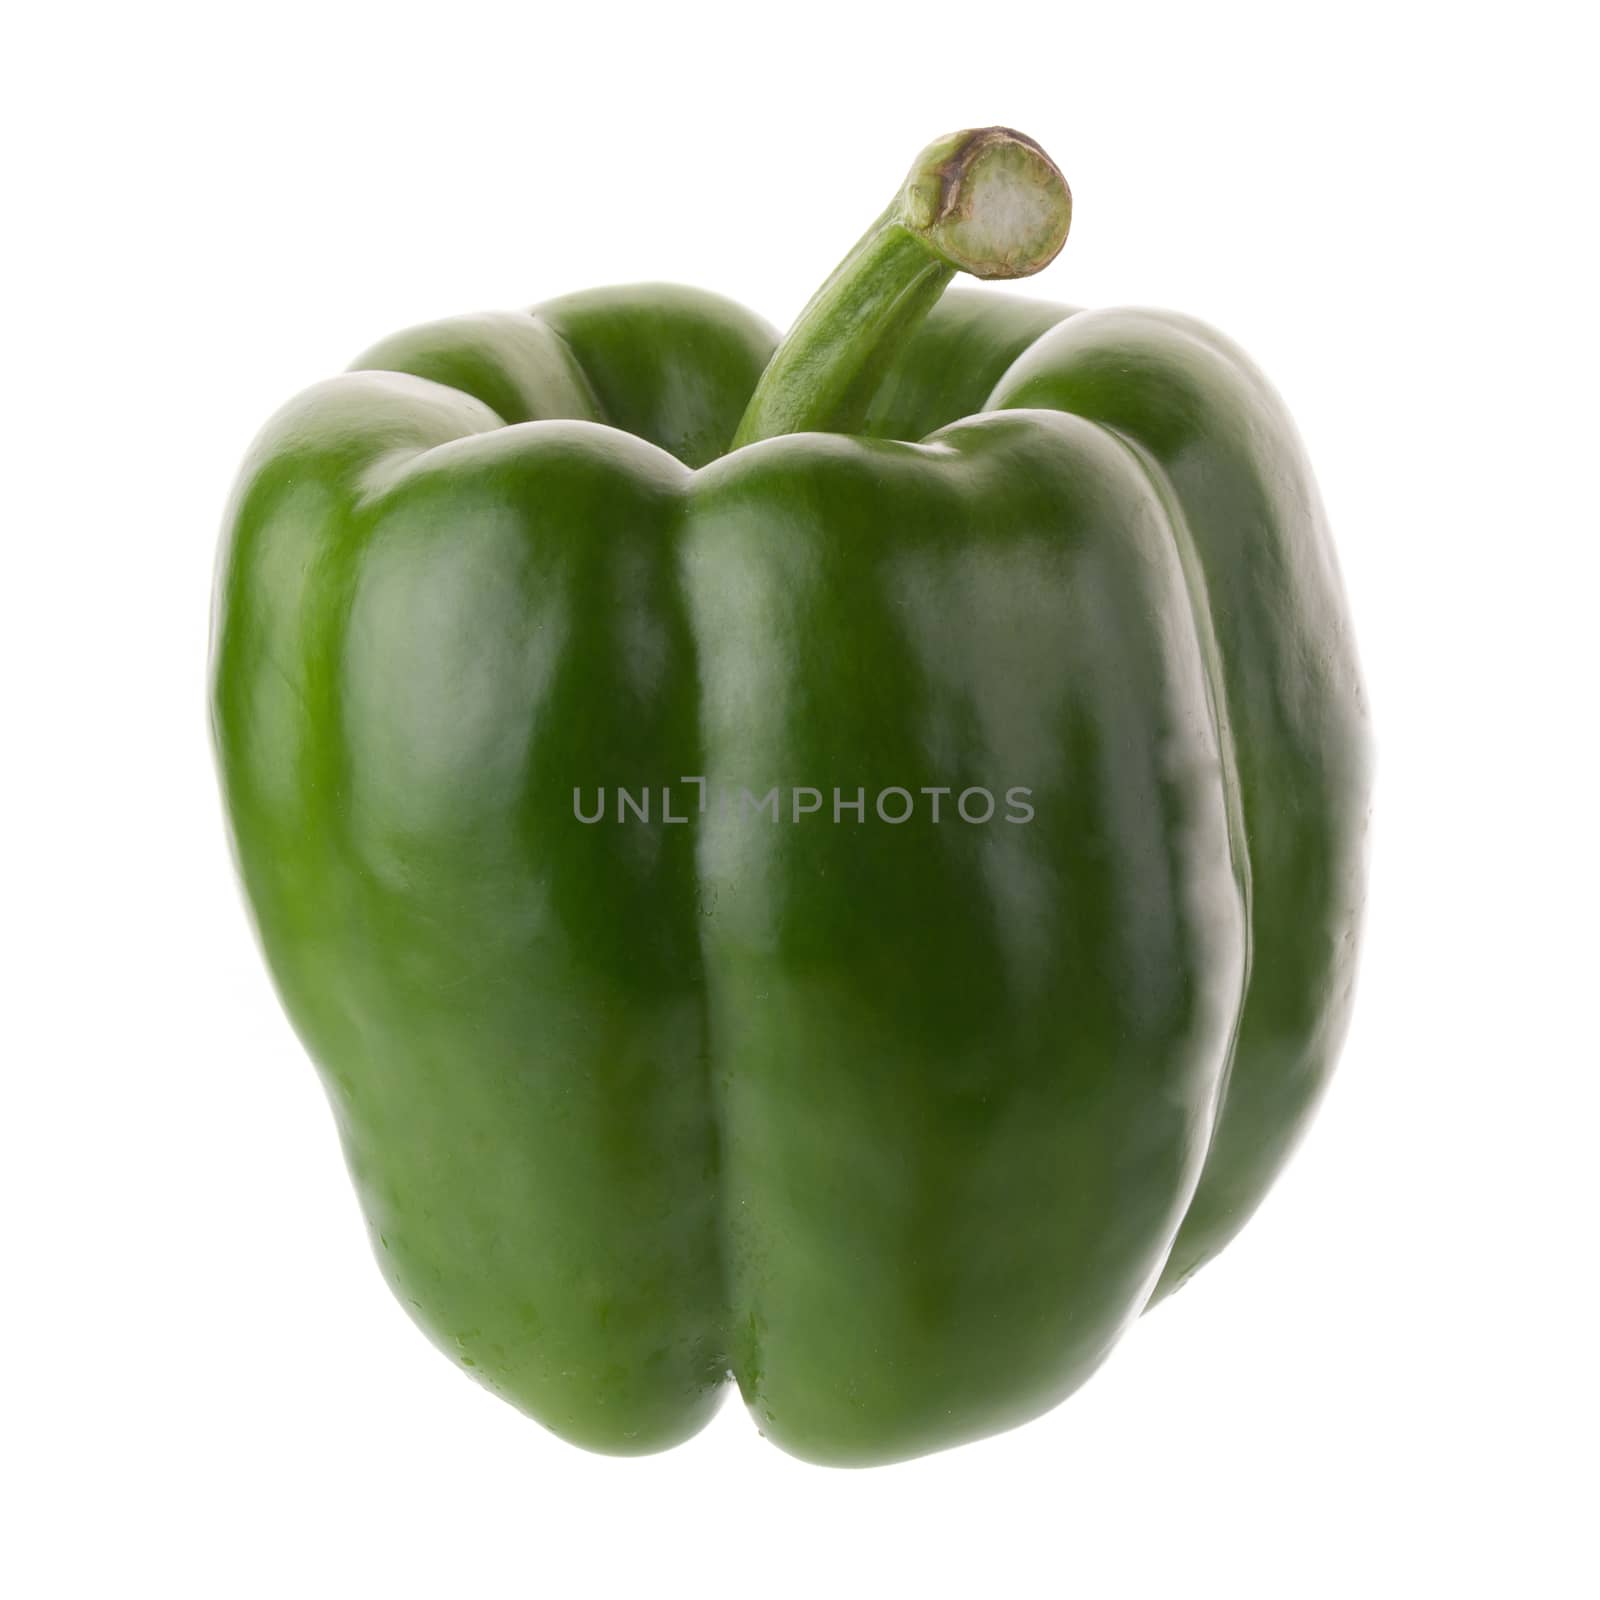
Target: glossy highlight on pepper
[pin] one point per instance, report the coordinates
(898, 1124)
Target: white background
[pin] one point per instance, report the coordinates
(1386, 1385)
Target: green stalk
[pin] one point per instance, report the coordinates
(987, 201)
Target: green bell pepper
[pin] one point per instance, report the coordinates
(835, 863)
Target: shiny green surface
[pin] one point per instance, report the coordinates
(896, 1123)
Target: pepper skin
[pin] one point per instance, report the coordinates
(901, 1124)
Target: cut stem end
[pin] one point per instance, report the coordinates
(989, 202)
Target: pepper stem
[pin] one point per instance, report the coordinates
(988, 201)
